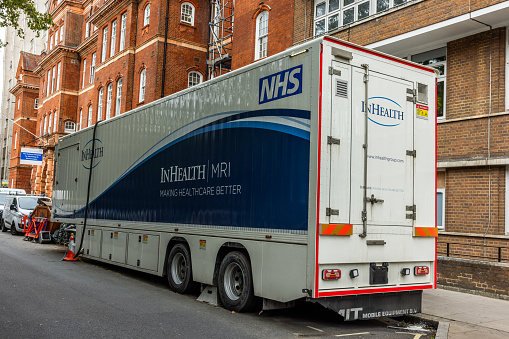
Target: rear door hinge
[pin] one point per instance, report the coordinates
(413, 97)
(411, 153)
(413, 209)
(332, 140)
(333, 71)
(329, 211)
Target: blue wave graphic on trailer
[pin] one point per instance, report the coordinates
(243, 170)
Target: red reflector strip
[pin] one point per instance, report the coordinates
(331, 274)
(336, 229)
(421, 270)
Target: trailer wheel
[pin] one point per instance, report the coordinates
(4, 229)
(235, 283)
(178, 269)
(13, 229)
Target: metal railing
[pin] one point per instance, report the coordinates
(473, 251)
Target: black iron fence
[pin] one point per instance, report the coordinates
(473, 251)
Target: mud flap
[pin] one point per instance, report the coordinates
(369, 306)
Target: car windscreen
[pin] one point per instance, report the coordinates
(28, 203)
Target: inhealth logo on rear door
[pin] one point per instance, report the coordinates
(384, 111)
(280, 85)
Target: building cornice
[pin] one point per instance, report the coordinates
(108, 10)
(50, 58)
(65, 3)
(88, 45)
(21, 86)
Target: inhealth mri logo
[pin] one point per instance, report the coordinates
(384, 112)
(86, 153)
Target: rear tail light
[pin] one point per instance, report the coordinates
(421, 270)
(331, 274)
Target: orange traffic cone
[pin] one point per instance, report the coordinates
(69, 255)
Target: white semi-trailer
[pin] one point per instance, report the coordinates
(275, 182)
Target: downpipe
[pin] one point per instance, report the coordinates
(365, 146)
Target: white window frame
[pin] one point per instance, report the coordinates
(146, 15)
(89, 116)
(50, 119)
(53, 79)
(69, 127)
(100, 104)
(45, 124)
(80, 126)
(262, 32)
(49, 82)
(92, 68)
(51, 41)
(105, 42)
(350, 6)
(113, 39)
(16, 140)
(87, 29)
(109, 93)
(62, 33)
(19, 102)
(118, 98)
(143, 80)
(84, 72)
(55, 122)
(123, 26)
(192, 77)
(187, 11)
(59, 66)
(441, 191)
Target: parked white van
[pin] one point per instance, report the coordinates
(4, 192)
(15, 208)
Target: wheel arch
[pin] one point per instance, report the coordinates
(173, 241)
(226, 248)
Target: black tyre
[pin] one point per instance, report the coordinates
(179, 270)
(4, 229)
(235, 283)
(13, 229)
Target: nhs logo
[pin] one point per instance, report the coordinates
(280, 85)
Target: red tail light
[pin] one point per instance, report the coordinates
(331, 274)
(421, 270)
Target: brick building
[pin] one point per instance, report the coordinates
(104, 58)
(467, 41)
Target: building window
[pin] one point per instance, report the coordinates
(113, 37)
(193, 79)
(49, 82)
(105, 40)
(62, 33)
(123, 25)
(80, 126)
(69, 127)
(87, 30)
(40, 128)
(146, 17)
(45, 124)
(441, 208)
(84, 72)
(49, 123)
(54, 74)
(92, 69)
(36, 104)
(262, 32)
(332, 14)
(119, 96)
(437, 59)
(108, 100)
(90, 115)
(16, 140)
(19, 101)
(187, 13)
(100, 104)
(51, 42)
(58, 75)
(143, 78)
(55, 122)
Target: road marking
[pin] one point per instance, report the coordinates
(316, 329)
(416, 336)
(346, 335)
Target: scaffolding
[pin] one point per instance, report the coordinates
(219, 58)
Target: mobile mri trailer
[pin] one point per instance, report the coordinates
(270, 182)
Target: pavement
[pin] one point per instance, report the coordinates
(466, 316)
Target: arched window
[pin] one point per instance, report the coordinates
(262, 32)
(69, 127)
(146, 17)
(119, 96)
(100, 104)
(90, 115)
(108, 100)
(143, 78)
(194, 78)
(80, 126)
(187, 13)
(15, 139)
(45, 124)
(49, 124)
(55, 122)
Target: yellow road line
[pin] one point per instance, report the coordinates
(316, 329)
(346, 335)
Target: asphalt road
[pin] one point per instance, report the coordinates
(43, 297)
